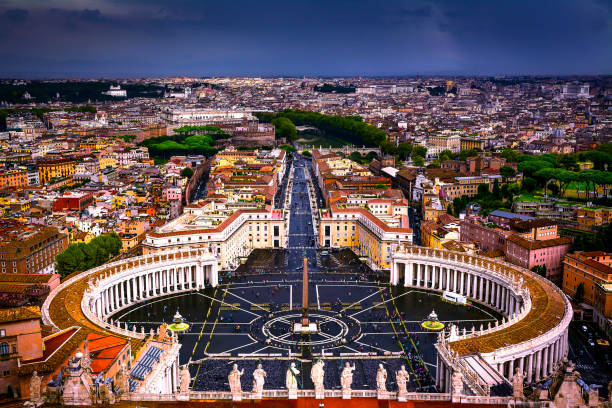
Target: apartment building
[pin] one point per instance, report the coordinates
(14, 178)
(594, 271)
(20, 339)
(29, 248)
(55, 168)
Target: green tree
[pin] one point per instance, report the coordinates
(507, 172)
(466, 153)
(187, 172)
(529, 184)
(418, 161)
(306, 153)
(446, 155)
(510, 155)
(81, 257)
(404, 150)
(483, 190)
(288, 148)
(539, 269)
(356, 157)
(285, 128)
(387, 147)
(569, 162)
(419, 150)
(496, 190)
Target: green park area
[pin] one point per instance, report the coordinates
(187, 140)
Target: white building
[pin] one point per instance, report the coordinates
(116, 91)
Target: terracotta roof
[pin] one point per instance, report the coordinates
(52, 343)
(20, 313)
(531, 245)
(27, 278)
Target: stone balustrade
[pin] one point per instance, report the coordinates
(120, 284)
(533, 333)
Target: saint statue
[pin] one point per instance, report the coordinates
(401, 377)
(346, 377)
(259, 378)
(35, 382)
(457, 383)
(291, 378)
(184, 379)
(123, 381)
(316, 375)
(234, 380)
(517, 384)
(381, 379)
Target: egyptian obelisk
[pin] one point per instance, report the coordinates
(305, 322)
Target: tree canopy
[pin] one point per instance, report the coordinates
(81, 257)
(349, 128)
(284, 128)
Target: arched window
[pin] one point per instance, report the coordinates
(4, 348)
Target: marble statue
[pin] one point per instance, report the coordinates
(517, 384)
(184, 379)
(401, 377)
(234, 383)
(381, 381)
(316, 375)
(106, 396)
(346, 379)
(122, 380)
(35, 383)
(291, 381)
(259, 378)
(456, 386)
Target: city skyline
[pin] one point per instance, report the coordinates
(94, 38)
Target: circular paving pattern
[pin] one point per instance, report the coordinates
(333, 330)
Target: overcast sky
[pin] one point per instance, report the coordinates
(91, 38)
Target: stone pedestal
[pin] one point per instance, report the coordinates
(319, 393)
(292, 393)
(182, 397)
(236, 396)
(346, 394)
(401, 396)
(382, 395)
(33, 403)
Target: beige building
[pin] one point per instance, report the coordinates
(232, 230)
(372, 230)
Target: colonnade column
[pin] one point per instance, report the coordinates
(529, 367)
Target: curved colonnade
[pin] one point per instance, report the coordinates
(109, 288)
(532, 336)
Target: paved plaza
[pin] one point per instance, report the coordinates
(248, 318)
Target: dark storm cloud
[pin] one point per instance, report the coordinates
(279, 37)
(16, 15)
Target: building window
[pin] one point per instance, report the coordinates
(4, 348)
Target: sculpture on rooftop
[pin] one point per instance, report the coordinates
(401, 377)
(291, 381)
(346, 380)
(234, 383)
(259, 379)
(35, 383)
(122, 380)
(316, 375)
(381, 382)
(184, 379)
(517, 384)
